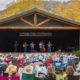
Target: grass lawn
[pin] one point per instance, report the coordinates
(59, 77)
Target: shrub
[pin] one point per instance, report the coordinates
(77, 52)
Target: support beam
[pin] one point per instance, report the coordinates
(65, 22)
(26, 21)
(35, 19)
(38, 28)
(43, 22)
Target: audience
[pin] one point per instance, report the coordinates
(44, 70)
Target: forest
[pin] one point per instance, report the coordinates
(69, 10)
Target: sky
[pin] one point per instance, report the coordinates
(4, 3)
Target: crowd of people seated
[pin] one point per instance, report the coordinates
(41, 70)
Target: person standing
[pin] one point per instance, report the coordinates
(32, 45)
(16, 46)
(25, 46)
(49, 46)
(40, 46)
(43, 48)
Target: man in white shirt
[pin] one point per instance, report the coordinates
(41, 70)
(32, 45)
(49, 46)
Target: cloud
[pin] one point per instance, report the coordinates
(57, 0)
(63, 0)
(4, 3)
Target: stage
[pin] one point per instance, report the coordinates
(64, 40)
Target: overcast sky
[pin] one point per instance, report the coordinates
(4, 3)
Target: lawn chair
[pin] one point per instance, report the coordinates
(59, 66)
(27, 76)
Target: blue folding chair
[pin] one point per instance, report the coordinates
(59, 66)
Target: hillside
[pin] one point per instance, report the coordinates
(70, 10)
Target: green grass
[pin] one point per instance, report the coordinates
(59, 76)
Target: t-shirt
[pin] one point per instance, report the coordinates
(32, 45)
(65, 59)
(48, 63)
(20, 71)
(41, 70)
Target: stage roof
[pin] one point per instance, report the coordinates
(6, 20)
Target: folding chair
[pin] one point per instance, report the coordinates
(27, 76)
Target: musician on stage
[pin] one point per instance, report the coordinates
(43, 48)
(32, 45)
(16, 46)
(40, 45)
(49, 46)
(25, 46)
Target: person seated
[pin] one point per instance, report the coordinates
(11, 70)
(20, 71)
(3, 67)
(41, 71)
(48, 62)
(28, 72)
(78, 68)
(28, 69)
(50, 74)
(71, 74)
(71, 62)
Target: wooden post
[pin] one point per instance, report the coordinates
(26, 21)
(35, 19)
